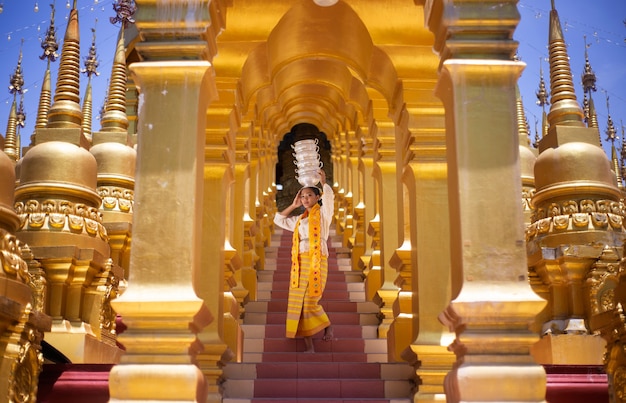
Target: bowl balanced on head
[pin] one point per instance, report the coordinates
(308, 162)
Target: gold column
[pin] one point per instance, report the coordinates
(368, 210)
(160, 306)
(423, 259)
(491, 313)
(385, 174)
(495, 305)
(210, 281)
(356, 242)
(340, 175)
(225, 176)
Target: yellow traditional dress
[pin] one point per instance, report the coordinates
(309, 266)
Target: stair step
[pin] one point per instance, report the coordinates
(344, 370)
(329, 306)
(313, 388)
(342, 318)
(262, 331)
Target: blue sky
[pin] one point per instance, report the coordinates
(19, 21)
(601, 21)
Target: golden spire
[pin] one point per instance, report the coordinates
(11, 135)
(611, 135)
(65, 112)
(537, 138)
(45, 100)
(593, 118)
(114, 118)
(522, 123)
(16, 86)
(91, 69)
(588, 79)
(20, 121)
(87, 108)
(565, 109)
(542, 100)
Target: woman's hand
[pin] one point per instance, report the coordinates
(322, 177)
(297, 201)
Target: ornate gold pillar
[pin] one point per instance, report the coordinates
(423, 259)
(368, 213)
(347, 224)
(160, 306)
(340, 176)
(491, 313)
(210, 286)
(385, 174)
(356, 241)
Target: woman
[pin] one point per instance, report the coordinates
(309, 261)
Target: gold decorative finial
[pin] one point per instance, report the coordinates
(542, 93)
(611, 131)
(20, 114)
(588, 77)
(50, 47)
(588, 80)
(49, 44)
(124, 12)
(104, 101)
(16, 84)
(91, 69)
(91, 60)
(536, 142)
(611, 135)
(66, 111)
(565, 109)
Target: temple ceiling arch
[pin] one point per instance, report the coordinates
(319, 65)
(281, 62)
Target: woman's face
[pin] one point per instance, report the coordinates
(308, 197)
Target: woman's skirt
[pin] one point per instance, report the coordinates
(305, 317)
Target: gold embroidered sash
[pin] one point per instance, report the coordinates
(315, 252)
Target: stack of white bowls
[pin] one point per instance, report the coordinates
(307, 161)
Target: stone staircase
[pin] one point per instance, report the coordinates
(351, 368)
